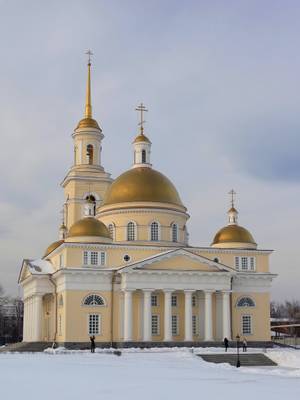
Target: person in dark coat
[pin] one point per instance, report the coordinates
(92, 339)
(226, 343)
(244, 345)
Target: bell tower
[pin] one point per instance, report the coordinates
(87, 178)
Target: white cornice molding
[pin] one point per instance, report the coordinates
(143, 210)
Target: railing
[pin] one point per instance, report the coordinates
(287, 341)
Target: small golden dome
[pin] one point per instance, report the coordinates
(141, 138)
(142, 184)
(232, 209)
(89, 226)
(52, 247)
(88, 123)
(233, 234)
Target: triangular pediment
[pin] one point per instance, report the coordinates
(178, 260)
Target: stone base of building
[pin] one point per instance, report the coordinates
(148, 345)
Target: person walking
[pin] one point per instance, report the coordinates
(244, 345)
(226, 343)
(92, 339)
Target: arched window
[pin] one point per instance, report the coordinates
(143, 156)
(154, 231)
(245, 302)
(92, 199)
(130, 231)
(93, 300)
(111, 229)
(174, 233)
(90, 153)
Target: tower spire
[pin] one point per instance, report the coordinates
(88, 101)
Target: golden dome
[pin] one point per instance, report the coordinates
(142, 184)
(52, 247)
(141, 138)
(88, 226)
(88, 123)
(233, 234)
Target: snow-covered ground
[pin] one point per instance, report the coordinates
(144, 374)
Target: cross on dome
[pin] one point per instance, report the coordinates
(89, 54)
(141, 108)
(232, 194)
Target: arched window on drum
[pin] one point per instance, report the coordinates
(154, 231)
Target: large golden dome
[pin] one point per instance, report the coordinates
(233, 234)
(52, 247)
(88, 226)
(142, 184)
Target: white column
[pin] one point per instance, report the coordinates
(127, 315)
(208, 315)
(147, 335)
(37, 321)
(188, 332)
(226, 315)
(168, 316)
(25, 324)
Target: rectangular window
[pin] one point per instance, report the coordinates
(94, 258)
(246, 325)
(194, 301)
(175, 325)
(154, 302)
(237, 262)
(174, 300)
(194, 324)
(155, 325)
(244, 263)
(102, 258)
(94, 324)
(252, 263)
(85, 257)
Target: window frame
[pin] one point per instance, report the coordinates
(89, 254)
(99, 324)
(176, 232)
(84, 304)
(195, 329)
(250, 324)
(112, 230)
(240, 299)
(245, 263)
(175, 302)
(157, 333)
(134, 232)
(157, 236)
(154, 303)
(175, 332)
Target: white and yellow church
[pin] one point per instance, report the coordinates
(123, 270)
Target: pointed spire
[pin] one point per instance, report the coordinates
(88, 101)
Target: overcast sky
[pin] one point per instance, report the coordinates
(221, 81)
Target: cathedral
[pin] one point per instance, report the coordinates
(123, 270)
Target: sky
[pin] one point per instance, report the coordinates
(220, 80)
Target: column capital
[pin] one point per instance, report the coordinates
(168, 290)
(147, 290)
(209, 291)
(189, 290)
(129, 290)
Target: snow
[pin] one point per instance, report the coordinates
(40, 266)
(156, 374)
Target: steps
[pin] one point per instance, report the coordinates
(247, 360)
(21, 347)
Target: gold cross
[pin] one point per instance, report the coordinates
(89, 54)
(232, 194)
(141, 108)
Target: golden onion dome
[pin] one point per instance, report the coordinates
(233, 234)
(142, 184)
(52, 247)
(89, 226)
(88, 123)
(141, 138)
